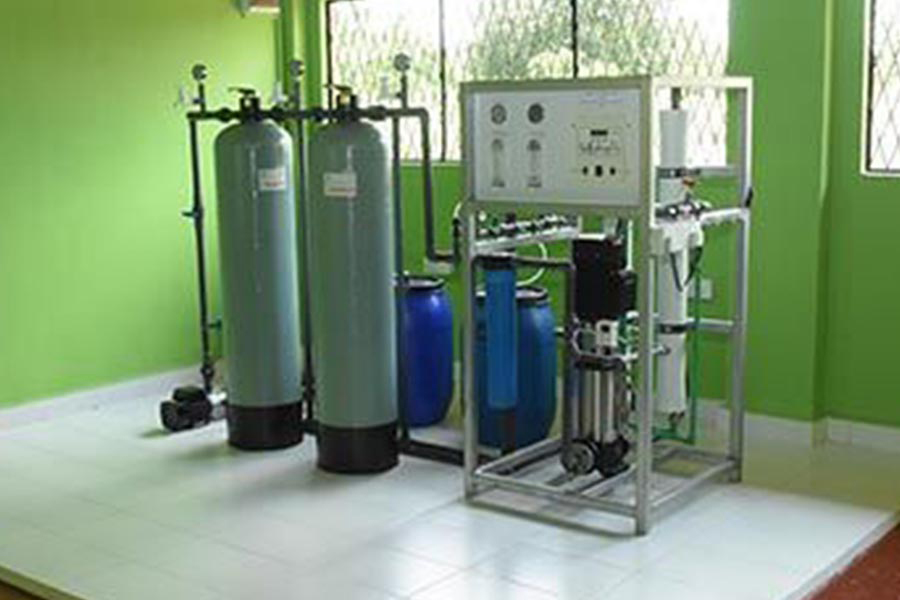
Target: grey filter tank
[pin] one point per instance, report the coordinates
(352, 298)
(258, 251)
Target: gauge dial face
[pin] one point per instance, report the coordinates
(536, 113)
(498, 114)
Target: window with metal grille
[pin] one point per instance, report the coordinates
(452, 41)
(883, 138)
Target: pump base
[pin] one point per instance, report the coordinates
(357, 450)
(265, 427)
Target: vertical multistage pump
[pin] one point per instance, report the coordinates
(604, 295)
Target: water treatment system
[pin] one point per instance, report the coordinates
(326, 333)
(614, 150)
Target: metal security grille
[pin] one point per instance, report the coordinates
(452, 41)
(364, 36)
(883, 140)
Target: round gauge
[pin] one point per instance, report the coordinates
(536, 113)
(498, 114)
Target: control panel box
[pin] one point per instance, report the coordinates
(570, 143)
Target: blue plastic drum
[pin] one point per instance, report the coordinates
(536, 407)
(428, 324)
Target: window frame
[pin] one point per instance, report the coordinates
(442, 45)
(867, 150)
(442, 156)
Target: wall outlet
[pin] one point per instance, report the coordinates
(706, 290)
(437, 268)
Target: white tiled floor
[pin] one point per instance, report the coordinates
(99, 505)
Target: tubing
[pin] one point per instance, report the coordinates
(306, 335)
(207, 368)
(400, 280)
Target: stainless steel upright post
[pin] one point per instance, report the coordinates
(739, 346)
(470, 451)
(646, 306)
(645, 399)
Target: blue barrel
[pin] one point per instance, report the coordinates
(536, 407)
(428, 329)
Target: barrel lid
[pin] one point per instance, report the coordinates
(531, 294)
(423, 283)
(498, 262)
(525, 294)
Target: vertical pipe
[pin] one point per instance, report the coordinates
(399, 280)
(569, 373)
(306, 331)
(573, 4)
(197, 214)
(739, 345)
(287, 23)
(428, 191)
(470, 415)
(443, 77)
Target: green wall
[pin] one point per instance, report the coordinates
(96, 265)
(785, 47)
(97, 271)
(863, 287)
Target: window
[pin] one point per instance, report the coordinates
(452, 41)
(883, 139)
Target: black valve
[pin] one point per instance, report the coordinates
(250, 105)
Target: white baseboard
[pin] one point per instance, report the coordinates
(713, 416)
(714, 424)
(863, 435)
(160, 384)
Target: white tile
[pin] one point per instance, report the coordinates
(55, 513)
(137, 540)
(223, 568)
(647, 586)
(726, 575)
(567, 576)
(453, 546)
(51, 560)
(475, 586)
(136, 582)
(387, 570)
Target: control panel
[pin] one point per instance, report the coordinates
(573, 146)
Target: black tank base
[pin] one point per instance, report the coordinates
(357, 450)
(265, 427)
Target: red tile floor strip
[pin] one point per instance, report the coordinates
(873, 576)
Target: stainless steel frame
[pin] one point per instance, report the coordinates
(516, 472)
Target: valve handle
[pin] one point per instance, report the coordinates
(245, 92)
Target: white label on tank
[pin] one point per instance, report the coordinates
(272, 180)
(340, 185)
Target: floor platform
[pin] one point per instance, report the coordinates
(100, 505)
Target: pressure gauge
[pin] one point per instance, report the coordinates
(498, 114)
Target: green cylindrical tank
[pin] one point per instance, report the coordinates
(258, 263)
(352, 298)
